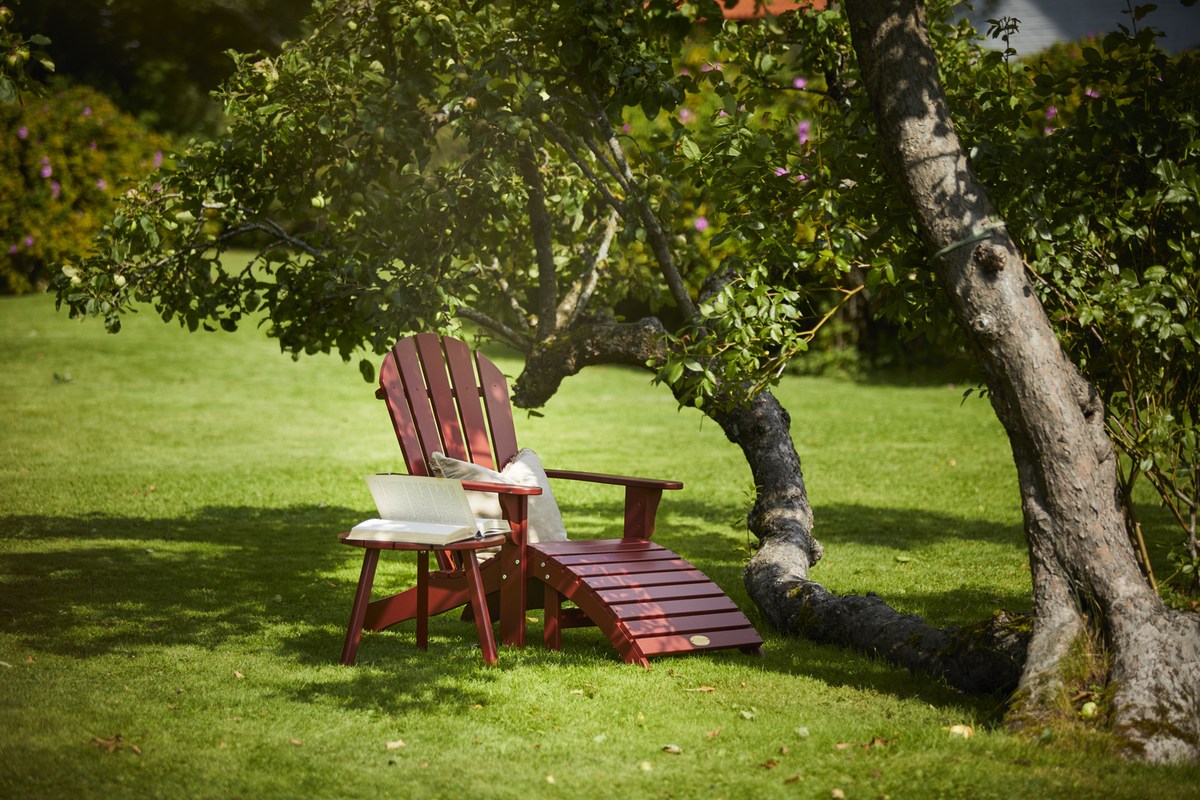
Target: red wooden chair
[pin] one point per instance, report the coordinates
(442, 398)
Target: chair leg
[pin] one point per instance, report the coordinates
(483, 623)
(358, 612)
(552, 633)
(422, 599)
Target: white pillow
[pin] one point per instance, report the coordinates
(525, 469)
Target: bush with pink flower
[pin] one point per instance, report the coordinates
(62, 159)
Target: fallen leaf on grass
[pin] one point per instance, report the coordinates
(878, 741)
(297, 742)
(702, 689)
(783, 751)
(793, 778)
(673, 749)
(29, 660)
(550, 779)
(837, 794)
(238, 674)
(748, 713)
(961, 731)
(713, 733)
(396, 745)
(116, 742)
(770, 764)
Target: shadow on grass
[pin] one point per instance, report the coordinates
(276, 581)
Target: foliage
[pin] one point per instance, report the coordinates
(416, 163)
(1096, 171)
(1091, 154)
(63, 159)
(19, 53)
(160, 59)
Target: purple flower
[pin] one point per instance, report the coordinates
(626, 128)
(12, 249)
(87, 111)
(802, 131)
(101, 184)
(802, 178)
(91, 145)
(686, 115)
(701, 224)
(800, 83)
(1051, 112)
(709, 67)
(684, 71)
(29, 241)
(22, 132)
(158, 158)
(55, 189)
(47, 171)
(1091, 93)
(781, 171)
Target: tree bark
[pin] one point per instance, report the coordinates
(1085, 572)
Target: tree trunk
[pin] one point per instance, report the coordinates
(1086, 577)
(981, 658)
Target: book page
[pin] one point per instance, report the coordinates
(421, 499)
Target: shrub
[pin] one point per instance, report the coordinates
(63, 159)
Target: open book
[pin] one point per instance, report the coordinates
(422, 511)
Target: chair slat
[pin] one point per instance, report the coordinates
(415, 389)
(467, 394)
(685, 624)
(401, 414)
(499, 410)
(668, 608)
(745, 638)
(441, 397)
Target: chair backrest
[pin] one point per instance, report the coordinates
(443, 398)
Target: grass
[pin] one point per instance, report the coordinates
(169, 576)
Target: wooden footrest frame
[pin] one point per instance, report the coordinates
(646, 599)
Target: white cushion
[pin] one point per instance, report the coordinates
(525, 469)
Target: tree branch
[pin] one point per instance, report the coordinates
(601, 341)
(654, 232)
(576, 301)
(543, 241)
(513, 337)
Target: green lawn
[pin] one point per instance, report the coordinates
(169, 576)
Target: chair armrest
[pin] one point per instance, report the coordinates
(641, 498)
(500, 488)
(616, 480)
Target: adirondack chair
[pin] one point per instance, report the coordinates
(442, 398)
